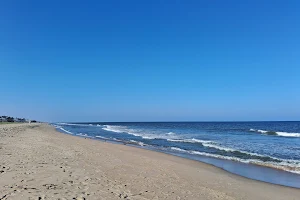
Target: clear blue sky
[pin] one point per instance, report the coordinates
(150, 60)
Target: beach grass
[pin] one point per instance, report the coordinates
(5, 123)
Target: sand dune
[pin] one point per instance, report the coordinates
(36, 162)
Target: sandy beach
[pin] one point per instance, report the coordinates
(37, 162)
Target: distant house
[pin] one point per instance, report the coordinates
(3, 119)
(20, 120)
(12, 119)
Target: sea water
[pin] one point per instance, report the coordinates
(265, 151)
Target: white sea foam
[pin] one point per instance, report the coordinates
(287, 165)
(262, 131)
(193, 140)
(70, 124)
(218, 147)
(287, 162)
(116, 129)
(139, 133)
(98, 136)
(282, 134)
(66, 130)
(84, 135)
(211, 144)
(137, 142)
(178, 149)
(170, 133)
(67, 124)
(258, 131)
(227, 149)
(285, 134)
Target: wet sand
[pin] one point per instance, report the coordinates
(37, 162)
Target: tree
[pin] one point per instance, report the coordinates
(10, 119)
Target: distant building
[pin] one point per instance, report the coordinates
(3, 119)
(12, 119)
(20, 120)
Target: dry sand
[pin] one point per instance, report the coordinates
(36, 162)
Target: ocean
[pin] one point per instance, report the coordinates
(264, 151)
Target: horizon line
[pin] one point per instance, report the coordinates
(172, 121)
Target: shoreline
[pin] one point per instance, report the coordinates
(253, 171)
(132, 145)
(42, 162)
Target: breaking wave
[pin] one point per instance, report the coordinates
(278, 133)
(101, 137)
(139, 133)
(137, 142)
(193, 140)
(84, 135)
(70, 124)
(234, 152)
(64, 130)
(116, 129)
(286, 165)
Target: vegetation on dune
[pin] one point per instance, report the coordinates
(8, 119)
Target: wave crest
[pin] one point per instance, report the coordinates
(277, 133)
(139, 133)
(286, 165)
(66, 131)
(193, 140)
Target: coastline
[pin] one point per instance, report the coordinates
(90, 169)
(270, 172)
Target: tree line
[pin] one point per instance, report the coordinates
(5, 118)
